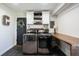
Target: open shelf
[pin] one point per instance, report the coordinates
(38, 18)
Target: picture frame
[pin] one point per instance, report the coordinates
(52, 23)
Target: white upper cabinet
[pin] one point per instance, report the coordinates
(45, 17)
(30, 17)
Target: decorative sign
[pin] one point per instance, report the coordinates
(21, 23)
(6, 20)
(52, 23)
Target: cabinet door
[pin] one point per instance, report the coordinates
(65, 47)
(45, 17)
(30, 17)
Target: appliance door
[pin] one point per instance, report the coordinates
(29, 44)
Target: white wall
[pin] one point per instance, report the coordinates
(68, 22)
(20, 14)
(7, 33)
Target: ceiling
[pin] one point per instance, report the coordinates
(32, 6)
(54, 8)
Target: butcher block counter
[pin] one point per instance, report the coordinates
(68, 44)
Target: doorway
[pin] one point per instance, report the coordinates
(21, 29)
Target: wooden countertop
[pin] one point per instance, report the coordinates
(68, 39)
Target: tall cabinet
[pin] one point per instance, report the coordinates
(45, 17)
(30, 17)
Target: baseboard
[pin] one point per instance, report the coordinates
(7, 49)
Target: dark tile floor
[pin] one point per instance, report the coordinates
(17, 51)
